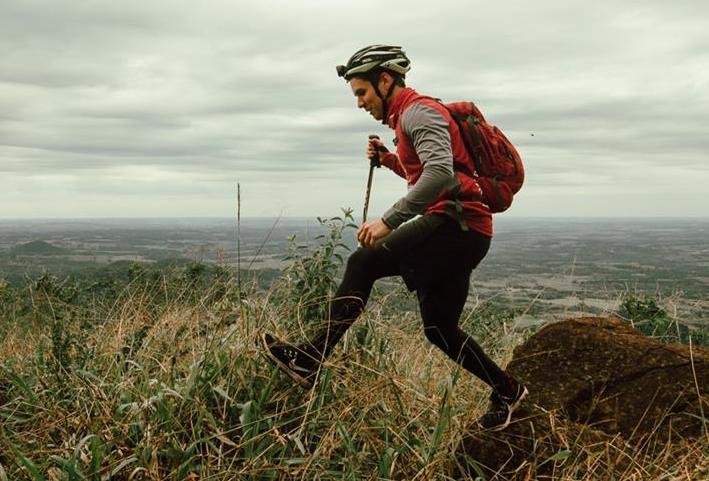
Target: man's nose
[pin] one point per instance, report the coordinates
(360, 103)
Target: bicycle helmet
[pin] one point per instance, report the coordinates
(375, 57)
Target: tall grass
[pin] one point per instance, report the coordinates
(166, 381)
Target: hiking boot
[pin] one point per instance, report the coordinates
(301, 364)
(499, 413)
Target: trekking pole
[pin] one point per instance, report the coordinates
(374, 162)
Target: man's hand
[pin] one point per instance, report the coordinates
(374, 148)
(371, 232)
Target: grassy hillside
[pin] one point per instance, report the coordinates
(36, 248)
(158, 376)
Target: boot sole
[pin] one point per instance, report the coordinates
(303, 382)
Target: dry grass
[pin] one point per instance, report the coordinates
(181, 392)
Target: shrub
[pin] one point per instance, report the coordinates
(309, 279)
(647, 316)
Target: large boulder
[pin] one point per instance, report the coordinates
(594, 381)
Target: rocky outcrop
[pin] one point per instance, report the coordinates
(594, 381)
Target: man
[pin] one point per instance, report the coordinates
(436, 252)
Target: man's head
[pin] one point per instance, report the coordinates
(370, 98)
(374, 73)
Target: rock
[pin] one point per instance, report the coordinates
(534, 445)
(594, 380)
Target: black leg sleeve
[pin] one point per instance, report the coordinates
(364, 267)
(441, 306)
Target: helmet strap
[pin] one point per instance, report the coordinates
(374, 80)
(385, 104)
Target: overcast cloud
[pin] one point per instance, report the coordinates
(157, 108)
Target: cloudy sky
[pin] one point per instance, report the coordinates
(157, 108)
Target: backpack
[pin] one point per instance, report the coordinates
(498, 165)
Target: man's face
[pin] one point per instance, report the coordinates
(367, 98)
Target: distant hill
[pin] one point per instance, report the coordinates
(37, 248)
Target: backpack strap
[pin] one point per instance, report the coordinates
(468, 124)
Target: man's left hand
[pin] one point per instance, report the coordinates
(368, 234)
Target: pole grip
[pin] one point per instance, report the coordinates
(372, 164)
(375, 162)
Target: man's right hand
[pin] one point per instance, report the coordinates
(374, 148)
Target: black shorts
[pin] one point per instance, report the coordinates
(434, 248)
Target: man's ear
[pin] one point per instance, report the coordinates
(385, 81)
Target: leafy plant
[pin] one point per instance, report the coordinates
(310, 275)
(646, 315)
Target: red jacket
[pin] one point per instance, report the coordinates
(463, 202)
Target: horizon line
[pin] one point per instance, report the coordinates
(495, 217)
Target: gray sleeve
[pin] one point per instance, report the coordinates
(428, 131)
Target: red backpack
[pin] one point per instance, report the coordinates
(497, 162)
